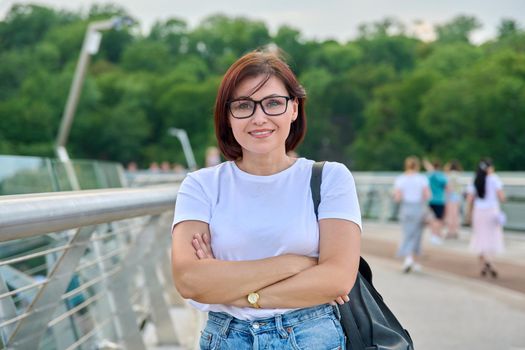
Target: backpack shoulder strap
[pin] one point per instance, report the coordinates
(315, 184)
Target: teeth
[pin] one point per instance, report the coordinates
(261, 132)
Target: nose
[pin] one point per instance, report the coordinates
(259, 117)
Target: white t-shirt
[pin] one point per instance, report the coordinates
(412, 187)
(254, 217)
(492, 185)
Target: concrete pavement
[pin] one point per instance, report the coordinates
(452, 256)
(448, 305)
(442, 311)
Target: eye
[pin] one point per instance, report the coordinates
(273, 102)
(242, 105)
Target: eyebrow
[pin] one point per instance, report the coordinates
(249, 98)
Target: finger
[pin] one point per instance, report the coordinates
(346, 298)
(195, 244)
(333, 303)
(206, 238)
(340, 300)
(198, 237)
(207, 241)
(201, 254)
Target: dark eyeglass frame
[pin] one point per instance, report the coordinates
(258, 102)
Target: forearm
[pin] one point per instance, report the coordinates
(334, 276)
(214, 281)
(317, 285)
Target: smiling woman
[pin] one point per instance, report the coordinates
(247, 245)
(261, 131)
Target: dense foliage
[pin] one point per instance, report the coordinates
(371, 101)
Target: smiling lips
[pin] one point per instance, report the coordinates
(261, 133)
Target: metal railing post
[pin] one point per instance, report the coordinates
(29, 330)
(7, 312)
(160, 311)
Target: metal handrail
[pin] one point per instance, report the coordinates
(24, 216)
(78, 214)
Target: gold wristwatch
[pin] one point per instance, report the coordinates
(253, 299)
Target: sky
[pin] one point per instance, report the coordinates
(334, 19)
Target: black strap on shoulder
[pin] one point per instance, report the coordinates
(315, 184)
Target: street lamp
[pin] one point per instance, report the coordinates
(186, 147)
(90, 46)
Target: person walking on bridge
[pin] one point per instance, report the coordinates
(412, 191)
(484, 196)
(438, 186)
(247, 245)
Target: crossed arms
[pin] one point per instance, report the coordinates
(286, 281)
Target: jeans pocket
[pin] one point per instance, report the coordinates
(317, 334)
(208, 341)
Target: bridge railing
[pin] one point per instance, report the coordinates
(94, 269)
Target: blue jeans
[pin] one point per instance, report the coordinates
(316, 328)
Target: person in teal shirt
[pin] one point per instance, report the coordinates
(438, 187)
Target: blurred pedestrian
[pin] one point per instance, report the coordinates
(454, 195)
(132, 166)
(484, 197)
(213, 156)
(412, 191)
(178, 168)
(438, 184)
(154, 167)
(165, 166)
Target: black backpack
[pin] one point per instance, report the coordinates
(367, 322)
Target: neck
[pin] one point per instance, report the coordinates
(264, 165)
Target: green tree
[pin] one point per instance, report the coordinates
(458, 29)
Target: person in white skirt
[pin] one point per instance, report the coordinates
(484, 196)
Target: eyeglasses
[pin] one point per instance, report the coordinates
(245, 107)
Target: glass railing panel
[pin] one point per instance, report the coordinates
(21, 175)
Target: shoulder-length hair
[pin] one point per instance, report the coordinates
(253, 64)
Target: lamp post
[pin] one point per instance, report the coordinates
(186, 147)
(90, 46)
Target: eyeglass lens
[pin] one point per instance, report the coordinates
(272, 105)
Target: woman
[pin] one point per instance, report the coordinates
(454, 194)
(484, 197)
(412, 191)
(437, 182)
(247, 246)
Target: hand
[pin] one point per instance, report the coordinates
(202, 244)
(340, 300)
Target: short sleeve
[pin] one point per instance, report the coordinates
(498, 185)
(339, 195)
(192, 202)
(398, 182)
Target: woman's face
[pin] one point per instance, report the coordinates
(261, 134)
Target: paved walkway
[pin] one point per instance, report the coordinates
(448, 305)
(443, 312)
(452, 256)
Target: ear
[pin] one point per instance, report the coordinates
(295, 109)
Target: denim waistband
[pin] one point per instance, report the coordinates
(226, 322)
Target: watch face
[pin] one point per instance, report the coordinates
(253, 297)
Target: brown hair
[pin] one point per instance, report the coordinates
(254, 64)
(412, 163)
